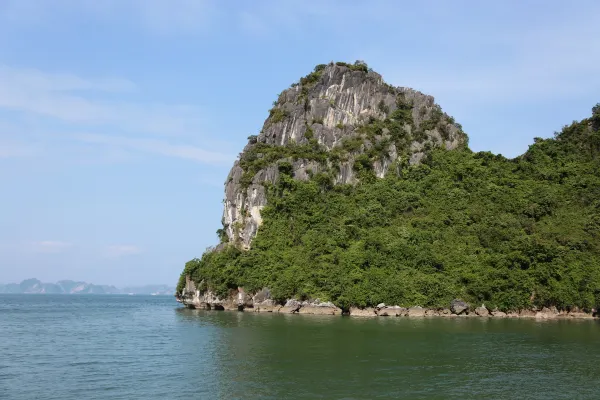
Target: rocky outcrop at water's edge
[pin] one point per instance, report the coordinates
(261, 301)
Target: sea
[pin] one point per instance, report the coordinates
(150, 347)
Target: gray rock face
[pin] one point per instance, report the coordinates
(320, 308)
(266, 306)
(291, 306)
(482, 311)
(458, 307)
(292, 303)
(547, 313)
(327, 106)
(432, 313)
(527, 314)
(394, 311)
(416, 311)
(262, 295)
(362, 312)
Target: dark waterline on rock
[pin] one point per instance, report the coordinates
(148, 347)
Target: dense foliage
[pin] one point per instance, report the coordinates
(507, 233)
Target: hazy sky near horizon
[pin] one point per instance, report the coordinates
(120, 119)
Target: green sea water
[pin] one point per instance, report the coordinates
(149, 347)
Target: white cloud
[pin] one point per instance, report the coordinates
(10, 149)
(64, 97)
(251, 23)
(554, 54)
(163, 17)
(76, 104)
(32, 79)
(297, 16)
(173, 16)
(121, 250)
(50, 246)
(159, 147)
(537, 66)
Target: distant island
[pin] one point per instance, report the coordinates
(35, 286)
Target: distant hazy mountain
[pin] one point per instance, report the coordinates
(150, 289)
(35, 286)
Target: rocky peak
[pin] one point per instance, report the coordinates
(338, 121)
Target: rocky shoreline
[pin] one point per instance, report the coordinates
(261, 302)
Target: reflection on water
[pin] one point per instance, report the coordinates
(303, 356)
(107, 347)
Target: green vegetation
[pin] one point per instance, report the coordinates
(312, 78)
(278, 115)
(357, 66)
(307, 82)
(403, 112)
(309, 134)
(383, 107)
(434, 119)
(507, 233)
(261, 155)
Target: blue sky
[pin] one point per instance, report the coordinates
(120, 119)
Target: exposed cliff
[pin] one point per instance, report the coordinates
(338, 115)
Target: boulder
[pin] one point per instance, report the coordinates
(432, 313)
(579, 314)
(262, 295)
(266, 306)
(482, 311)
(391, 311)
(446, 313)
(459, 307)
(291, 306)
(288, 310)
(498, 314)
(547, 313)
(293, 303)
(231, 305)
(320, 310)
(362, 312)
(527, 313)
(243, 299)
(416, 312)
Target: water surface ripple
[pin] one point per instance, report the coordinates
(148, 347)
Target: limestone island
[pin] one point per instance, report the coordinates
(361, 198)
